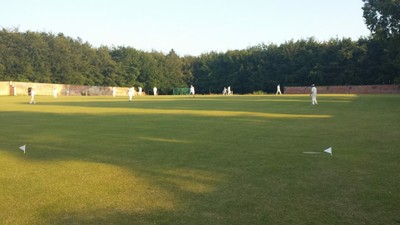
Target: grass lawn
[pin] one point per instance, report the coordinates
(220, 160)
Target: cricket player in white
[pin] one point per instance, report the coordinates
(33, 92)
(154, 91)
(278, 90)
(54, 92)
(131, 92)
(114, 92)
(313, 95)
(140, 91)
(191, 90)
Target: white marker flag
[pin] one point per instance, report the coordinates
(328, 150)
(23, 147)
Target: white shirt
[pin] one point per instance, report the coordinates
(313, 91)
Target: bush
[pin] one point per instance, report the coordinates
(259, 92)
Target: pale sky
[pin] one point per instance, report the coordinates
(189, 27)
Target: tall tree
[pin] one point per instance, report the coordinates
(173, 73)
(382, 17)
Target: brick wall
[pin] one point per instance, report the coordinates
(351, 89)
(21, 88)
(4, 88)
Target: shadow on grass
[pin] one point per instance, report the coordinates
(171, 168)
(198, 165)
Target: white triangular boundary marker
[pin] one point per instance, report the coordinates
(23, 148)
(328, 150)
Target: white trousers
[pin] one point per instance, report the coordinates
(314, 100)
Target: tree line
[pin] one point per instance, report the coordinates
(49, 58)
(56, 58)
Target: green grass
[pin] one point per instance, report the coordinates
(222, 160)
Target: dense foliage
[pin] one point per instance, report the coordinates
(382, 17)
(50, 58)
(335, 62)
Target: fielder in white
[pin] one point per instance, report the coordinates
(54, 92)
(313, 95)
(131, 92)
(191, 90)
(154, 91)
(140, 91)
(33, 93)
(278, 90)
(114, 92)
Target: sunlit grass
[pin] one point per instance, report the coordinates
(72, 108)
(202, 160)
